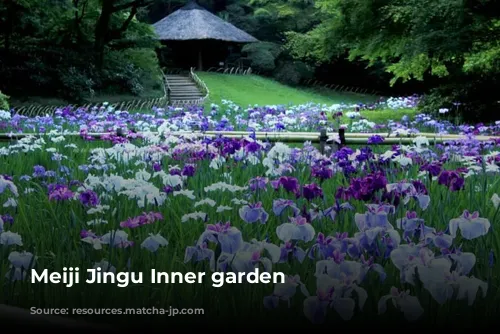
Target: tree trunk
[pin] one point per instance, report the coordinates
(102, 30)
(104, 33)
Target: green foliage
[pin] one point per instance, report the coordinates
(271, 22)
(75, 48)
(451, 40)
(129, 70)
(4, 101)
(293, 72)
(75, 83)
(288, 15)
(78, 49)
(471, 100)
(263, 55)
(484, 56)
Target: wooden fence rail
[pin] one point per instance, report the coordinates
(335, 140)
(231, 70)
(340, 88)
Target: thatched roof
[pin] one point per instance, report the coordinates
(193, 22)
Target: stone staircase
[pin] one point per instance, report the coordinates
(183, 90)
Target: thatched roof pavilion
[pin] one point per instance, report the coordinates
(193, 22)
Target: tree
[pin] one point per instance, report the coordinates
(455, 40)
(104, 30)
(74, 48)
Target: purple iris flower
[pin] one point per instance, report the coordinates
(156, 167)
(290, 249)
(290, 184)
(89, 198)
(38, 171)
(188, 170)
(471, 226)
(200, 253)
(228, 237)
(376, 139)
(312, 191)
(252, 147)
(252, 213)
(297, 229)
(59, 192)
(413, 226)
(452, 180)
(258, 183)
(325, 246)
(175, 171)
(433, 168)
(280, 205)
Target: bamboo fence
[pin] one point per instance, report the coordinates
(231, 70)
(34, 110)
(340, 88)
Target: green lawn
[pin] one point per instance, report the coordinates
(245, 90)
(248, 90)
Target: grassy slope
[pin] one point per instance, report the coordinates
(253, 89)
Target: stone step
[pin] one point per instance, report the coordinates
(186, 97)
(177, 86)
(183, 105)
(180, 81)
(185, 90)
(174, 84)
(185, 102)
(186, 93)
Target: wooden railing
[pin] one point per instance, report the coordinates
(170, 70)
(339, 88)
(231, 70)
(199, 83)
(168, 90)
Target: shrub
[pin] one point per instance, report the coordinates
(292, 72)
(470, 100)
(4, 103)
(263, 56)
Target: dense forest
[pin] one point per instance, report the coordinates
(448, 50)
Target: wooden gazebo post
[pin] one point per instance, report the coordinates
(200, 59)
